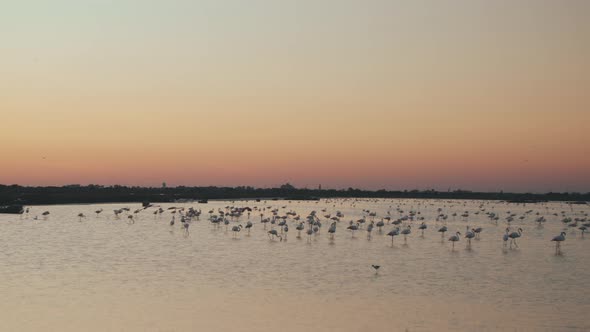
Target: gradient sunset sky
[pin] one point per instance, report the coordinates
(481, 95)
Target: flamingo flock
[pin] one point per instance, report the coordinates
(401, 218)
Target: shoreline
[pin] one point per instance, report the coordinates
(93, 194)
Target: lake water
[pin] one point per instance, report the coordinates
(106, 274)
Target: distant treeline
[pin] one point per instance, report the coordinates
(72, 194)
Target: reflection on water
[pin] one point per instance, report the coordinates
(103, 273)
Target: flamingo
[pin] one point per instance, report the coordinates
(369, 230)
(506, 236)
(469, 234)
(248, 227)
(353, 228)
(406, 232)
(394, 232)
(514, 236)
(236, 230)
(443, 230)
(332, 230)
(558, 239)
(380, 224)
(455, 238)
(309, 234)
(264, 221)
(422, 227)
(299, 228)
(477, 232)
(273, 233)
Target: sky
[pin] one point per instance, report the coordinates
(372, 94)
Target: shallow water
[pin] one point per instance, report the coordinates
(104, 274)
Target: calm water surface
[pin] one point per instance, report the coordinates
(104, 274)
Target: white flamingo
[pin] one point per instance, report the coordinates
(455, 238)
(469, 234)
(558, 239)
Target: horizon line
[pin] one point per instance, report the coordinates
(344, 188)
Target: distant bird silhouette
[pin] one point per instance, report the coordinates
(443, 230)
(422, 227)
(380, 224)
(376, 267)
(477, 232)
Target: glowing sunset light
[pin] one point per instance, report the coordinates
(480, 95)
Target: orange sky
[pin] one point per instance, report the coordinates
(372, 94)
